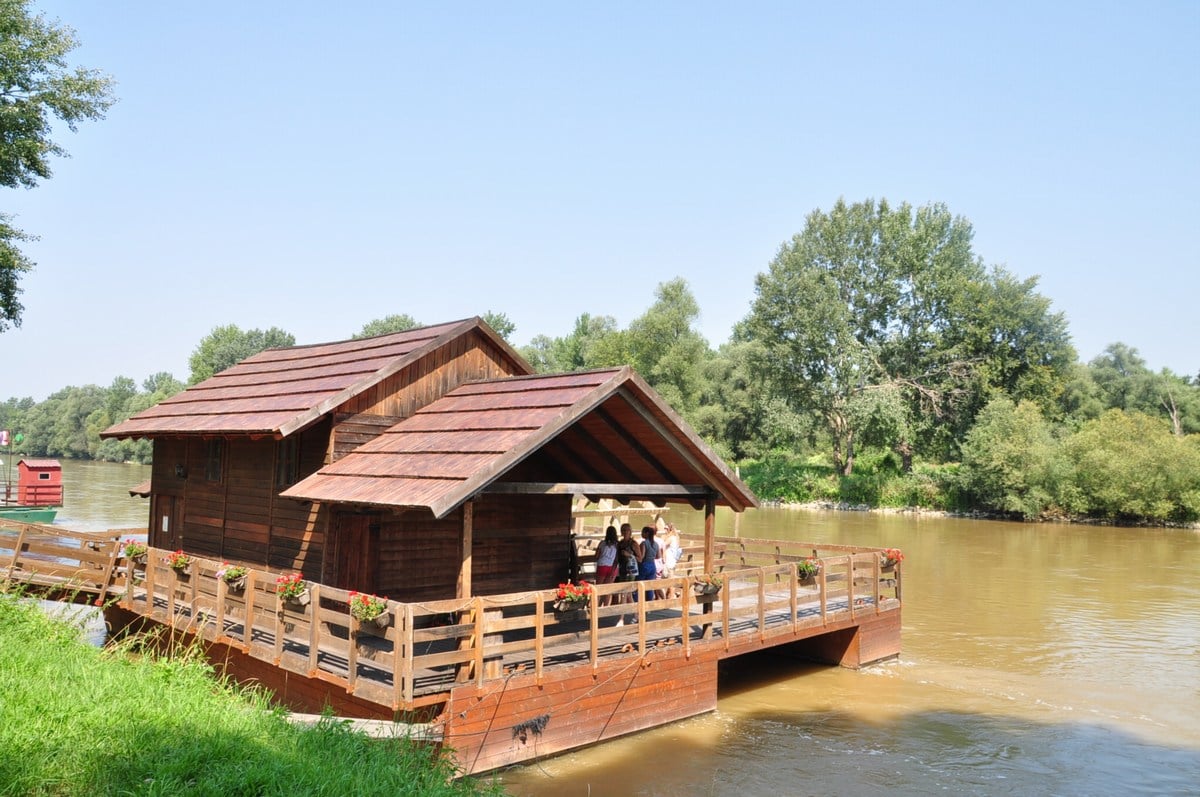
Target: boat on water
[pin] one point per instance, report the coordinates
(38, 494)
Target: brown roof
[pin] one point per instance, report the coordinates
(140, 490)
(280, 391)
(594, 429)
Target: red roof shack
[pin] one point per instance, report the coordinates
(422, 465)
(39, 482)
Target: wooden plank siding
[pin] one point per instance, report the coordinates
(520, 543)
(468, 358)
(522, 717)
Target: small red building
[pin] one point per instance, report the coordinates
(39, 482)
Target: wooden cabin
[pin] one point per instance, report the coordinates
(424, 464)
(39, 482)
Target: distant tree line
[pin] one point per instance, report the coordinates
(881, 361)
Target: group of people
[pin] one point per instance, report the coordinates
(628, 559)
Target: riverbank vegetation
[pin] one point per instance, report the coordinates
(881, 362)
(80, 720)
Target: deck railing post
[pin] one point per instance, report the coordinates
(480, 622)
(685, 612)
(794, 590)
(726, 588)
(314, 628)
(594, 630)
(539, 637)
(409, 653)
(248, 612)
(850, 586)
(762, 604)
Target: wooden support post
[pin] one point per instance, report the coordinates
(468, 543)
(710, 527)
(463, 592)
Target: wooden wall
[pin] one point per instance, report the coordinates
(520, 543)
(242, 518)
(469, 358)
(511, 720)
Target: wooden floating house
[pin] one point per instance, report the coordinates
(434, 467)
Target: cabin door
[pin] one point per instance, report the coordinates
(357, 552)
(166, 532)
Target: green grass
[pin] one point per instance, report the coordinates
(79, 720)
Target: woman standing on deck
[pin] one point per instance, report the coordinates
(606, 560)
(651, 553)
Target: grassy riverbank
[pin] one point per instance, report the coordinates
(79, 720)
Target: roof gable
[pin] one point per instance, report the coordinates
(496, 435)
(281, 391)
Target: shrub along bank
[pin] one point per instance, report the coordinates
(1122, 467)
(80, 720)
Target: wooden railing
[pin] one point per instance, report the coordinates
(428, 647)
(58, 559)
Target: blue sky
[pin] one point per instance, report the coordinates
(312, 168)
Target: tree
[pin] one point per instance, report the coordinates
(501, 323)
(594, 342)
(226, 346)
(1129, 466)
(37, 86)
(882, 321)
(1011, 461)
(1124, 382)
(386, 325)
(666, 350)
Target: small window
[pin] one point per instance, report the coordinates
(287, 461)
(44, 476)
(213, 459)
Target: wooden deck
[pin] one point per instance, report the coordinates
(493, 671)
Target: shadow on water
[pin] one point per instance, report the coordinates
(833, 752)
(757, 748)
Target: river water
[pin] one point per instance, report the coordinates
(1037, 659)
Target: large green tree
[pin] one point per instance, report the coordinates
(665, 348)
(884, 323)
(37, 86)
(228, 345)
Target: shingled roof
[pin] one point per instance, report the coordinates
(595, 432)
(279, 391)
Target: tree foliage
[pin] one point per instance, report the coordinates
(500, 322)
(228, 345)
(882, 321)
(1131, 466)
(37, 86)
(1011, 461)
(386, 325)
(666, 350)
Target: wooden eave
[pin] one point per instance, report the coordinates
(279, 392)
(509, 435)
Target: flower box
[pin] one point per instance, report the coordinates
(299, 600)
(569, 611)
(706, 588)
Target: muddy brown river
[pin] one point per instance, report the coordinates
(1038, 659)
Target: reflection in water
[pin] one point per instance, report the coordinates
(1038, 659)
